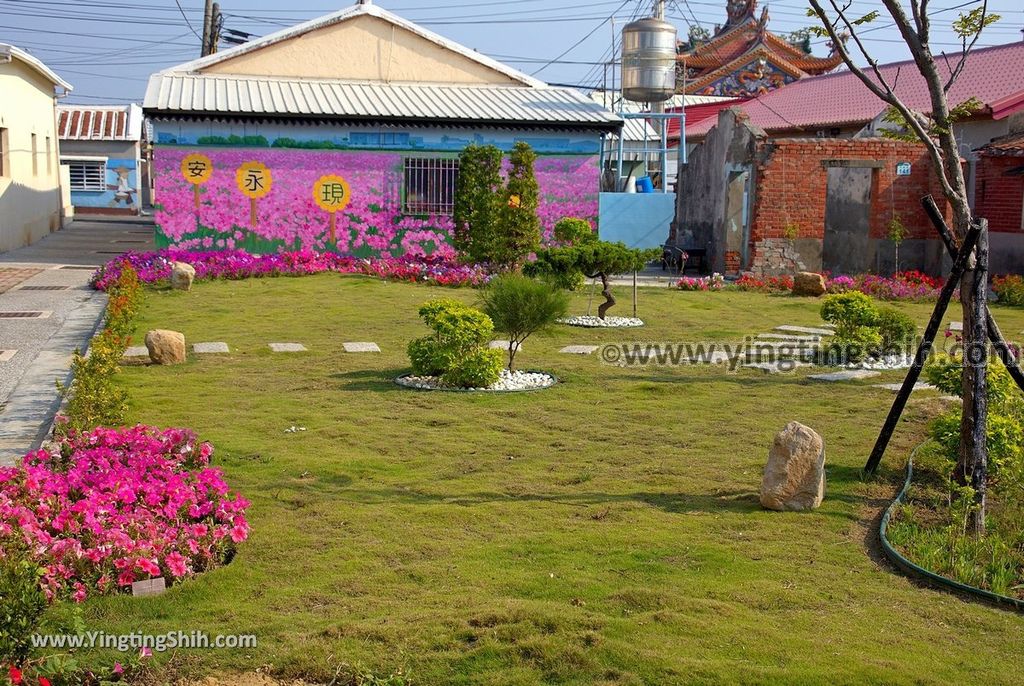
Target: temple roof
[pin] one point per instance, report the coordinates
(744, 59)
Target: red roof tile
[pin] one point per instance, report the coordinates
(1011, 145)
(698, 113)
(84, 123)
(993, 75)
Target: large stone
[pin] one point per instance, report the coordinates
(794, 478)
(165, 347)
(182, 275)
(809, 283)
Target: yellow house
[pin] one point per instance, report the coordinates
(30, 189)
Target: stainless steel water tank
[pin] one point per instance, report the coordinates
(648, 61)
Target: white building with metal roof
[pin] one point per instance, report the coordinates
(368, 97)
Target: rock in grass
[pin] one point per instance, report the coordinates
(165, 347)
(182, 276)
(794, 478)
(809, 283)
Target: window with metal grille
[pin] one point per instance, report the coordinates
(88, 176)
(430, 185)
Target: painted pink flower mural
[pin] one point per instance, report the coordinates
(372, 225)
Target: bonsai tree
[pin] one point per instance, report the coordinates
(477, 204)
(457, 352)
(590, 257)
(521, 307)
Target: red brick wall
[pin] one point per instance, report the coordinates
(997, 197)
(792, 186)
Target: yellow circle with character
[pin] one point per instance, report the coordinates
(332, 193)
(254, 179)
(197, 168)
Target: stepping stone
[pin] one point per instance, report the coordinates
(210, 348)
(789, 338)
(287, 347)
(502, 345)
(895, 387)
(137, 351)
(848, 375)
(955, 326)
(5, 355)
(361, 347)
(815, 331)
(579, 349)
(776, 367)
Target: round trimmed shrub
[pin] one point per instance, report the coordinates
(896, 329)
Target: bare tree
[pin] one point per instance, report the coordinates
(935, 131)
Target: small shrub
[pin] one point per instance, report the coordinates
(93, 398)
(572, 230)
(1010, 289)
(856, 320)
(521, 307)
(457, 351)
(22, 604)
(896, 329)
(715, 282)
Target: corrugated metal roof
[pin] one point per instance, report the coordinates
(994, 75)
(180, 93)
(7, 50)
(94, 123)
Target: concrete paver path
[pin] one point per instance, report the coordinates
(28, 395)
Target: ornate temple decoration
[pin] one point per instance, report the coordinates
(743, 59)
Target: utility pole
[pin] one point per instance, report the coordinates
(207, 28)
(216, 24)
(658, 108)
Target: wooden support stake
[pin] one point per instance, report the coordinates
(977, 357)
(332, 223)
(634, 295)
(195, 191)
(923, 350)
(252, 212)
(1006, 356)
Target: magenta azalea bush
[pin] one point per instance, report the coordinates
(237, 264)
(110, 507)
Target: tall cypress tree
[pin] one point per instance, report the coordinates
(519, 225)
(477, 206)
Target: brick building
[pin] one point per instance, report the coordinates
(801, 177)
(999, 183)
(775, 206)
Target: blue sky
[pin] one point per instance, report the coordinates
(108, 48)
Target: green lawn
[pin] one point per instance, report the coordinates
(605, 531)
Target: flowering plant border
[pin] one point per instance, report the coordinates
(155, 267)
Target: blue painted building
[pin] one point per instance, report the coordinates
(102, 147)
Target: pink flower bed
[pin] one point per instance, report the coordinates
(701, 283)
(114, 506)
(905, 286)
(236, 264)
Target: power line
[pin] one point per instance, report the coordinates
(581, 40)
(185, 17)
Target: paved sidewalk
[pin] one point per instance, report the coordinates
(48, 282)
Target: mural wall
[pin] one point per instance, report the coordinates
(279, 187)
(122, 187)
